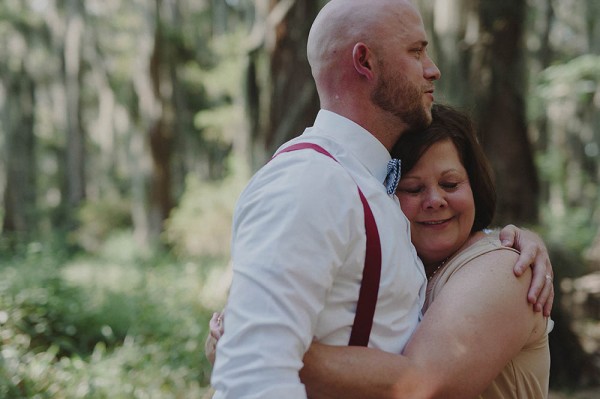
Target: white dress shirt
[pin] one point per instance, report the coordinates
(298, 253)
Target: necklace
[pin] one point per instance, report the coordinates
(437, 268)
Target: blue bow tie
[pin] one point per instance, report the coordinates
(393, 175)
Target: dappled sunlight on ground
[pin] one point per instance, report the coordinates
(88, 272)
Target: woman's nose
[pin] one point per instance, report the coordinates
(434, 199)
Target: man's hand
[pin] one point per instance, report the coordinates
(534, 254)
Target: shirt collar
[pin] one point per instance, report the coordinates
(356, 139)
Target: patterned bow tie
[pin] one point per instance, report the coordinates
(393, 176)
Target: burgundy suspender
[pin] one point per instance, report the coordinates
(369, 288)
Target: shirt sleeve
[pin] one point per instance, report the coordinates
(292, 228)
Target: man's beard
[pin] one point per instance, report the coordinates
(403, 99)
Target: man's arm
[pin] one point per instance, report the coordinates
(480, 321)
(354, 372)
(534, 254)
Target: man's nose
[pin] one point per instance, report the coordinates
(430, 70)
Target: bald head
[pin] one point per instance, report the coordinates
(342, 23)
(340, 26)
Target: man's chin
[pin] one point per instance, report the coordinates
(429, 118)
(423, 121)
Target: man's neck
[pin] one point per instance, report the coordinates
(383, 126)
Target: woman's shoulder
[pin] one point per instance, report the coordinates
(494, 264)
(483, 259)
(483, 247)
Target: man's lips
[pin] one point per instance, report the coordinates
(430, 93)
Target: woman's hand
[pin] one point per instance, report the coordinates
(534, 254)
(216, 331)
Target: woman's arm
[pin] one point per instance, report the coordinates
(480, 320)
(215, 331)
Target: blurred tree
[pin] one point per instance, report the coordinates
(565, 120)
(117, 86)
(75, 152)
(564, 79)
(17, 96)
(498, 81)
(281, 95)
(161, 133)
(19, 147)
(178, 51)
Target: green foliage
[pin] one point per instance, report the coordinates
(98, 219)
(577, 77)
(52, 313)
(568, 223)
(111, 326)
(570, 231)
(201, 224)
(567, 95)
(221, 122)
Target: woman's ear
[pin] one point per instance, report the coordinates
(362, 58)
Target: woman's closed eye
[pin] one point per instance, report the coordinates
(414, 190)
(449, 186)
(410, 189)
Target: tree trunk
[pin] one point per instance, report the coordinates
(20, 189)
(497, 76)
(160, 133)
(282, 98)
(75, 136)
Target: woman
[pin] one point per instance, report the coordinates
(479, 336)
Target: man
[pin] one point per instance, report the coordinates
(299, 232)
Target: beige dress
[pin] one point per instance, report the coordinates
(526, 376)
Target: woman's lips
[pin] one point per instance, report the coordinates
(435, 223)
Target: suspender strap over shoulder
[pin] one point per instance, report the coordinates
(369, 289)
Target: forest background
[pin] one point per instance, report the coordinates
(128, 129)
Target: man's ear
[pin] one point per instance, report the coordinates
(362, 58)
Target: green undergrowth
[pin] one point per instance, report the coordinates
(115, 325)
